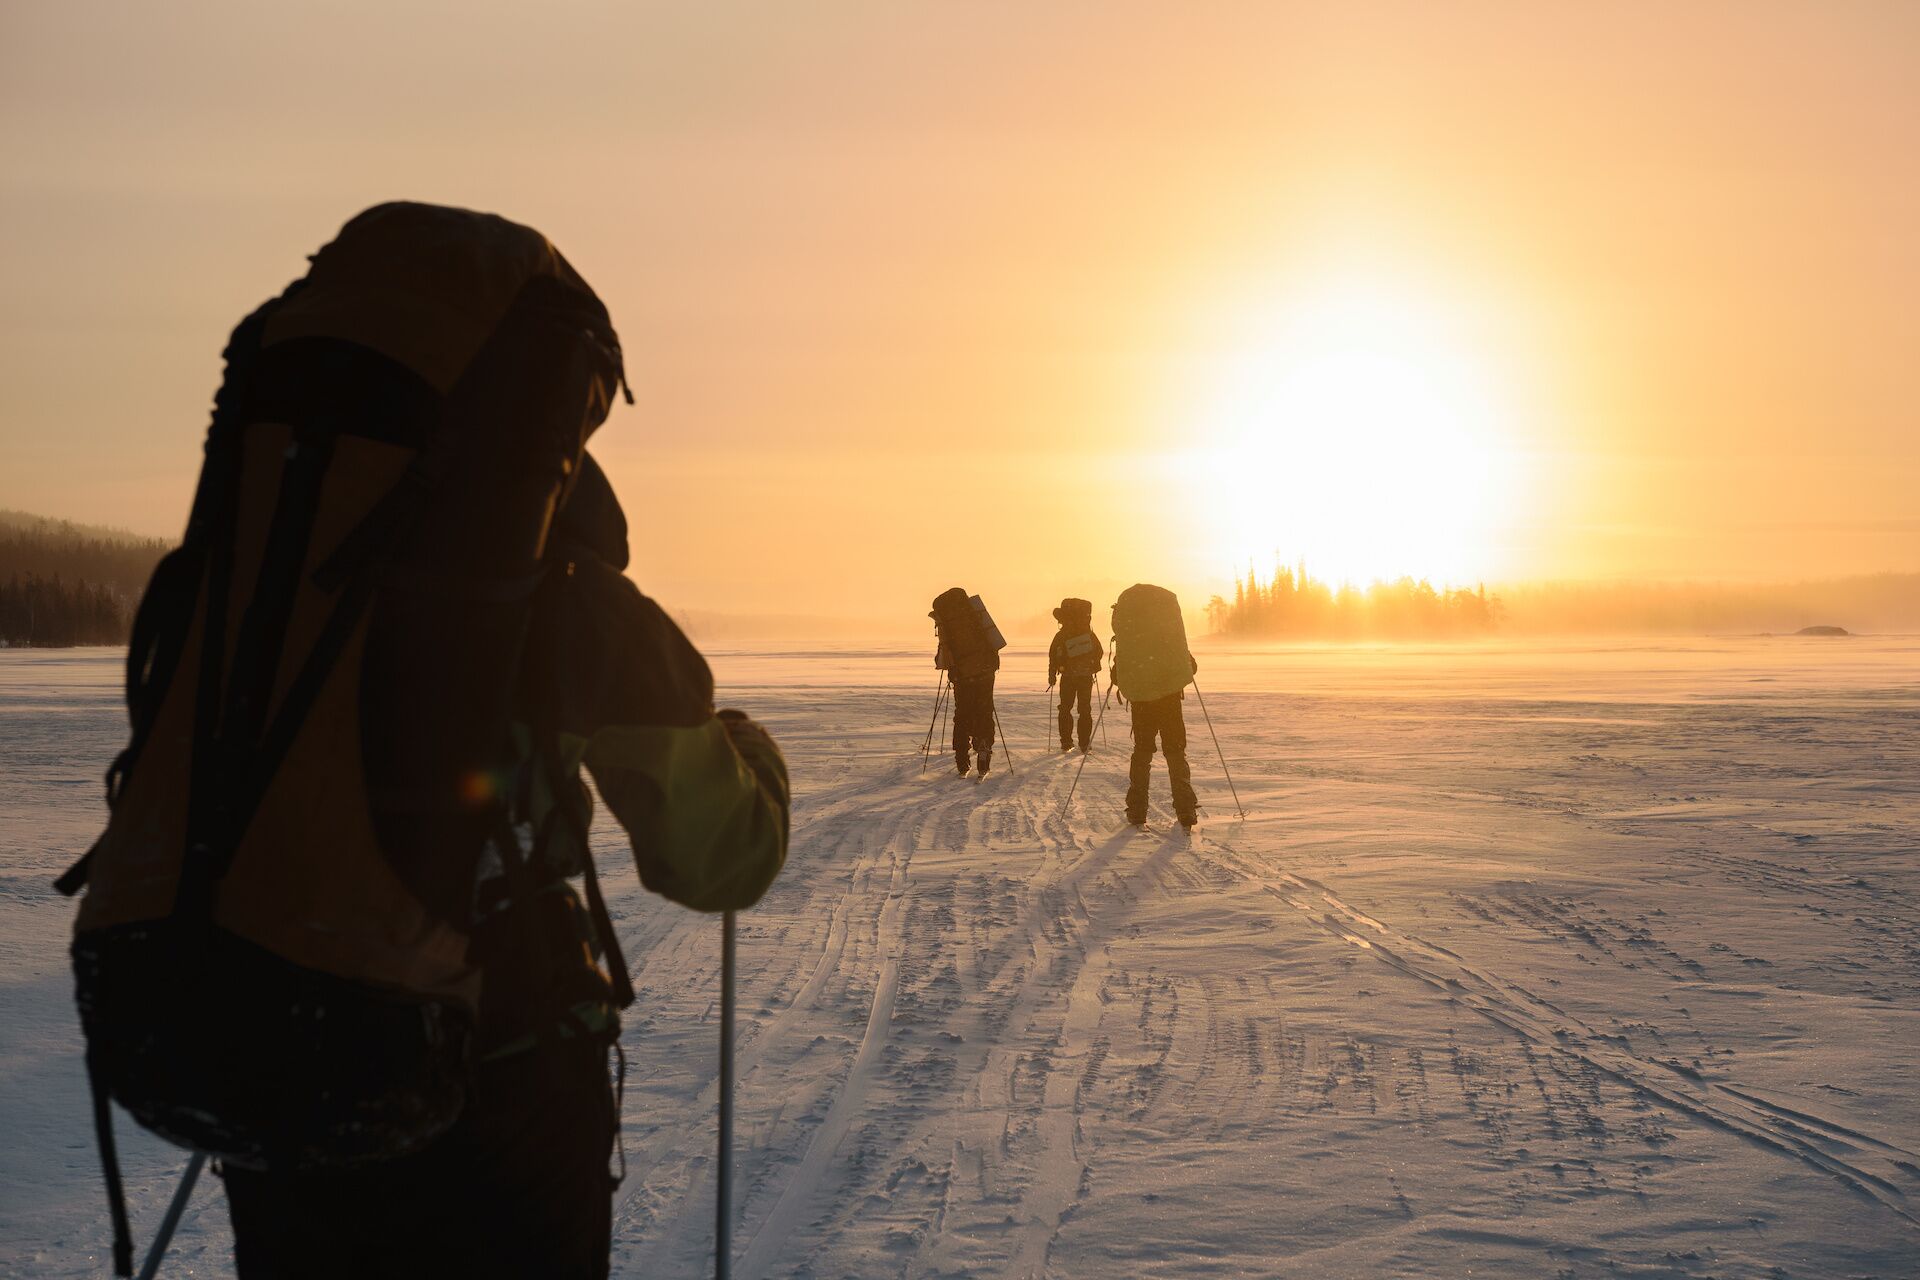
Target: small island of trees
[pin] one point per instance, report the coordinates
(1294, 605)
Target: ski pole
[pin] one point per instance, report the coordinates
(723, 1215)
(168, 1224)
(939, 712)
(1216, 748)
(939, 699)
(1003, 740)
(1068, 803)
(948, 693)
(926, 739)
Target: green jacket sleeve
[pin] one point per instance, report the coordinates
(705, 806)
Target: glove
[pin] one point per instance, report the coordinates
(1049, 684)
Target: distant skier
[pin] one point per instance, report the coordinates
(1074, 661)
(968, 650)
(1152, 667)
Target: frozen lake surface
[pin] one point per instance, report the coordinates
(1525, 961)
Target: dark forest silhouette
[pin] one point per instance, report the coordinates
(1294, 604)
(66, 584)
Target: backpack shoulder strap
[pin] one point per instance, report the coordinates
(547, 745)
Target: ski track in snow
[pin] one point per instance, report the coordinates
(1821, 1144)
(1610, 967)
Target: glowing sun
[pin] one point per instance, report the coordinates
(1362, 425)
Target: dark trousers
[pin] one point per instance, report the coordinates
(518, 1187)
(973, 719)
(1163, 719)
(1076, 691)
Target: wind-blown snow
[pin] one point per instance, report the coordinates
(1525, 961)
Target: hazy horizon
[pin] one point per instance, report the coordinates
(1549, 610)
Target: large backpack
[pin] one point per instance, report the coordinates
(272, 954)
(1150, 655)
(970, 643)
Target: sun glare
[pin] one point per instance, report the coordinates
(1360, 426)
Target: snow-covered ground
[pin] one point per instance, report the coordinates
(1525, 961)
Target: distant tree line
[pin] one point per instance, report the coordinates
(1880, 602)
(64, 584)
(1294, 605)
(47, 613)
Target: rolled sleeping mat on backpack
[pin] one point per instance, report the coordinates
(1074, 611)
(988, 627)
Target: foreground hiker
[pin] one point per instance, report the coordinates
(1073, 659)
(1152, 667)
(967, 647)
(330, 935)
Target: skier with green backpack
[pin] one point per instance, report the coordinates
(330, 936)
(1152, 667)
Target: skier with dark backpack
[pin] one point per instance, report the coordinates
(1073, 659)
(330, 936)
(967, 647)
(1152, 667)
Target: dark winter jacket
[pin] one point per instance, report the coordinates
(610, 683)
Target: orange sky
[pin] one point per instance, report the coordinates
(928, 294)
